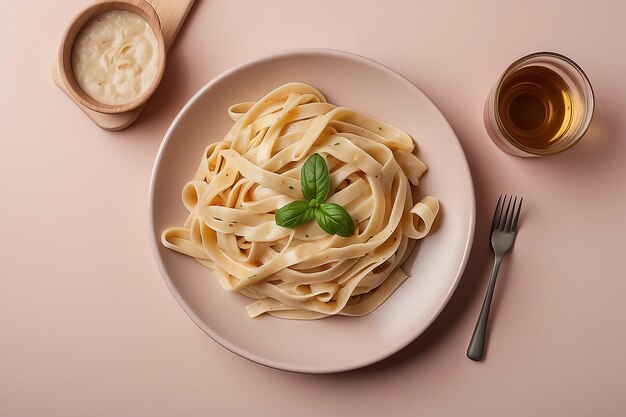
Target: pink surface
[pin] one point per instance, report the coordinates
(89, 327)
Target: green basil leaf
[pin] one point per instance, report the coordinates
(294, 214)
(334, 219)
(315, 178)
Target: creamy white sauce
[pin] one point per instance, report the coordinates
(115, 57)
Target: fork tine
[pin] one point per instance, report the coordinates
(496, 213)
(506, 214)
(519, 209)
(509, 219)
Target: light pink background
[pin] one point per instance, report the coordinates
(88, 327)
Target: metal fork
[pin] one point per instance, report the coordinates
(503, 232)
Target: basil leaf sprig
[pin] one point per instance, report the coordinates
(315, 186)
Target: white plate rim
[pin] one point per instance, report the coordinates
(251, 356)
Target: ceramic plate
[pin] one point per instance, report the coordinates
(337, 343)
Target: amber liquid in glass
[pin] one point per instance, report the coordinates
(535, 106)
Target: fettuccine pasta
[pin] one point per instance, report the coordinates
(304, 273)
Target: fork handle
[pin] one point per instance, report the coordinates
(476, 348)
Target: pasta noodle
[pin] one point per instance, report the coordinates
(304, 273)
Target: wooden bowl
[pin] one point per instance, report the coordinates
(140, 7)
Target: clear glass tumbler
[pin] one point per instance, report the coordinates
(541, 105)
